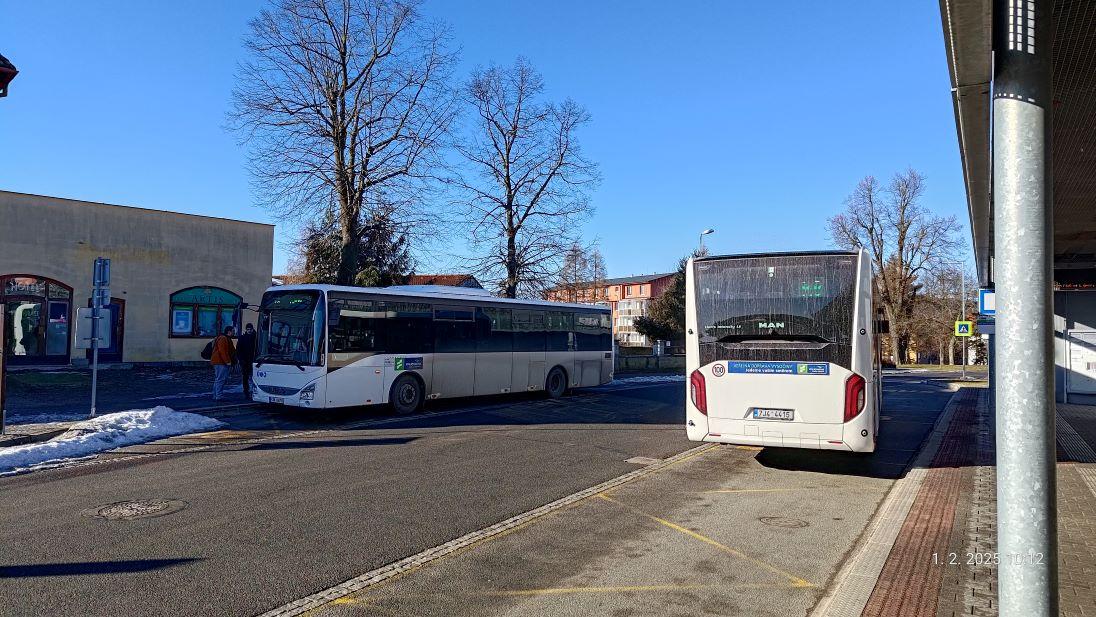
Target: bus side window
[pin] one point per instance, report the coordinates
(454, 329)
(561, 331)
(495, 329)
(530, 331)
(588, 332)
(359, 327)
(409, 328)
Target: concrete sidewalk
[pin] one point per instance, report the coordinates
(724, 530)
(943, 559)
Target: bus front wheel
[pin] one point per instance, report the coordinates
(556, 384)
(406, 395)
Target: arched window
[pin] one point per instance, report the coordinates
(203, 312)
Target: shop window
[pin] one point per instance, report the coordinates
(203, 312)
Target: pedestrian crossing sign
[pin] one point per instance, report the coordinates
(964, 328)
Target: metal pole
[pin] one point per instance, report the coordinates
(94, 341)
(963, 316)
(1023, 239)
(3, 371)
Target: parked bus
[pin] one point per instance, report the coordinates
(782, 350)
(321, 346)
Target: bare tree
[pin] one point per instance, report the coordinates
(342, 101)
(934, 312)
(902, 237)
(525, 179)
(581, 277)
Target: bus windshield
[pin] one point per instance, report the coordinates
(777, 308)
(290, 328)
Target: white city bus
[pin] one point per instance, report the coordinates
(321, 346)
(782, 350)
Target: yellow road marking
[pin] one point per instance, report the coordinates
(359, 595)
(751, 448)
(796, 581)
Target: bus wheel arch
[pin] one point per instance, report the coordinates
(555, 384)
(407, 393)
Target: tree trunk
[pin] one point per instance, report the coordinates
(951, 353)
(510, 289)
(348, 250)
(893, 334)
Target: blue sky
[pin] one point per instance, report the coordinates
(756, 119)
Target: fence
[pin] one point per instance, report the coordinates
(665, 364)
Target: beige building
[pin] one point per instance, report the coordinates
(176, 279)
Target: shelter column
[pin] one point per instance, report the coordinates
(1023, 272)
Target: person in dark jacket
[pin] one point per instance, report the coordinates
(245, 351)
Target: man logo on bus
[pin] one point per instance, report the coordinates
(718, 370)
(770, 324)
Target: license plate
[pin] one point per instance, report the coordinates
(774, 414)
(277, 400)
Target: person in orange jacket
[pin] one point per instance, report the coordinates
(223, 359)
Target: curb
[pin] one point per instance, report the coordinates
(10, 439)
(418, 560)
(849, 591)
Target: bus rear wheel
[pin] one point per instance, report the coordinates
(556, 383)
(406, 395)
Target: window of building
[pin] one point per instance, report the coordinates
(203, 312)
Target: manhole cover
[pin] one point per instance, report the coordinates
(138, 508)
(783, 521)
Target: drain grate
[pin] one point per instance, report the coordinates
(783, 521)
(137, 508)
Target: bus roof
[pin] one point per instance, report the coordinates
(778, 254)
(439, 292)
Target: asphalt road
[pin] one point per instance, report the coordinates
(270, 513)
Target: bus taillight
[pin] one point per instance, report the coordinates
(698, 392)
(854, 396)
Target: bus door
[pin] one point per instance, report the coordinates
(454, 366)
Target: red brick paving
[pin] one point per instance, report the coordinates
(909, 584)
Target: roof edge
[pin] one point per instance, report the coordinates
(103, 203)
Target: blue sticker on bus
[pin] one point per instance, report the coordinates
(779, 368)
(407, 364)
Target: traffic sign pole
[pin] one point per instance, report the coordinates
(100, 276)
(963, 315)
(3, 371)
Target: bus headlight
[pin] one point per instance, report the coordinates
(309, 392)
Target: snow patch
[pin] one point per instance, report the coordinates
(105, 432)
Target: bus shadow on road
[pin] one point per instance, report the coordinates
(81, 568)
(876, 465)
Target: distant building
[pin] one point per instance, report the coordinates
(629, 297)
(450, 280)
(176, 279)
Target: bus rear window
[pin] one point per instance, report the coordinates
(767, 308)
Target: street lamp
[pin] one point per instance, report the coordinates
(7, 73)
(702, 234)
